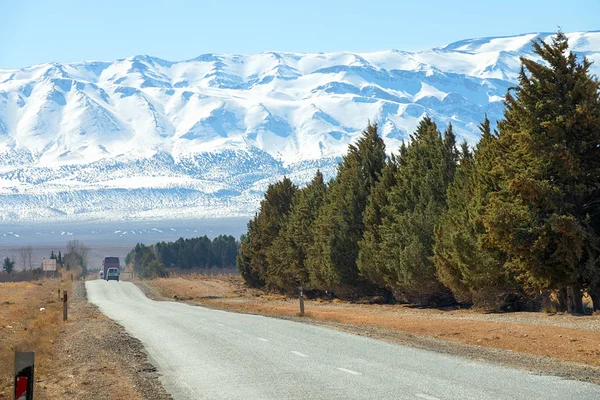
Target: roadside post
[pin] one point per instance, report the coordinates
(58, 294)
(65, 306)
(24, 365)
(301, 300)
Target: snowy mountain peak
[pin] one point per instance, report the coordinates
(208, 134)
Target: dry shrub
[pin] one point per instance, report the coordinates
(588, 304)
(20, 275)
(506, 301)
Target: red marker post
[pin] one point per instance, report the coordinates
(24, 366)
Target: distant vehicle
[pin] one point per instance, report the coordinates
(101, 274)
(112, 274)
(110, 262)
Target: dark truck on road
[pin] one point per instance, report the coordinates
(111, 268)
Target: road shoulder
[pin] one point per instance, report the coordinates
(97, 359)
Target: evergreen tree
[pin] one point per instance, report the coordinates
(414, 207)
(264, 229)
(455, 236)
(144, 262)
(545, 214)
(465, 260)
(250, 276)
(288, 254)
(452, 155)
(203, 253)
(369, 264)
(8, 265)
(339, 227)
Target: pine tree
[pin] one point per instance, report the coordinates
(415, 205)
(339, 227)
(288, 254)
(545, 214)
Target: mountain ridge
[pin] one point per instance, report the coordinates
(225, 125)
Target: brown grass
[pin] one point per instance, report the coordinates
(198, 287)
(526, 335)
(25, 327)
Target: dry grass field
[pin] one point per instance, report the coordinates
(30, 320)
(564, 337)
(88, 357)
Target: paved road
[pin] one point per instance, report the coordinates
(209, 354)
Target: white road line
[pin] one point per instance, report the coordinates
(263, 339)
(236, 330)
(350, 371)
(426, 397)
(298, 353)
(220, 324)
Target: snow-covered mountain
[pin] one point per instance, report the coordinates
(149, 138)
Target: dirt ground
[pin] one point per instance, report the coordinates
(535, 341)
(88, 357)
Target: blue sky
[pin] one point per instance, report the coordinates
(36, 31)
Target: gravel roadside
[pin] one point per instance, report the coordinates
(562, 320)
(97, 359)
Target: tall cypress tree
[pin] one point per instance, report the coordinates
(454, 236)
(288, 254)
(415, 205)
(465, 260)
(242, 262)
(370, 265)
(545, 214)
(339, 226)
(263, 230)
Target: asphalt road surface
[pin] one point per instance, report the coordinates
(210, 354)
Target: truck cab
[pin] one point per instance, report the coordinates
(113, 265)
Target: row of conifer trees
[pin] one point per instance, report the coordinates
(506, 222)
